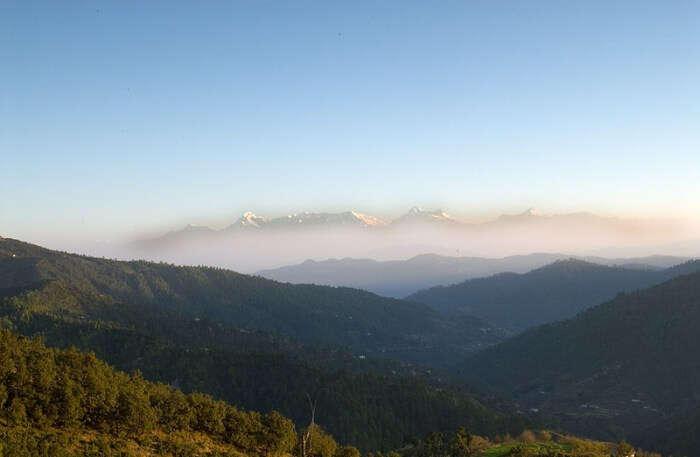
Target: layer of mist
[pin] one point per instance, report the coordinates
(254, 243)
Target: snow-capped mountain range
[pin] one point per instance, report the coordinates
(416, 216)
(250, 220)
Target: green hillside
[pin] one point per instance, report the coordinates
(120, 311)
(614, 370)
(62, 403)
(119, 291)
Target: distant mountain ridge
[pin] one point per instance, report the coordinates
(550, 293)
(400, 278)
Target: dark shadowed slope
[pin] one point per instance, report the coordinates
(614, 369)
(314, 314)
(676, 436)
(553, 292)
(153, 318)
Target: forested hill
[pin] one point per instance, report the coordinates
(57, 403)
(619, 367)
(63, 403)
(675, 436)
(121, 310)
(554, 292)
(366, 323)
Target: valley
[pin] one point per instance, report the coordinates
(266, 346)
(349, 229)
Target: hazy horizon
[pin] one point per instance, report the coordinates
(284, 241)
(145, 229)
(122, 119)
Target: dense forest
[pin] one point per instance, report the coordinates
(675, 436)
(618, 368)
(169, 324)
(375, 404)
(554, 292)
(359, 320)
(63, 403)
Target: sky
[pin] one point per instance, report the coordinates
(121, 116)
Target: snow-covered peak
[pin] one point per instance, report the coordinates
(345, 219)
(250, 220)
(418, 214)
(370, 221)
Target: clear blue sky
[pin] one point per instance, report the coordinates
(120, 115)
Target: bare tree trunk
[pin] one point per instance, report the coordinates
(306, 437)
